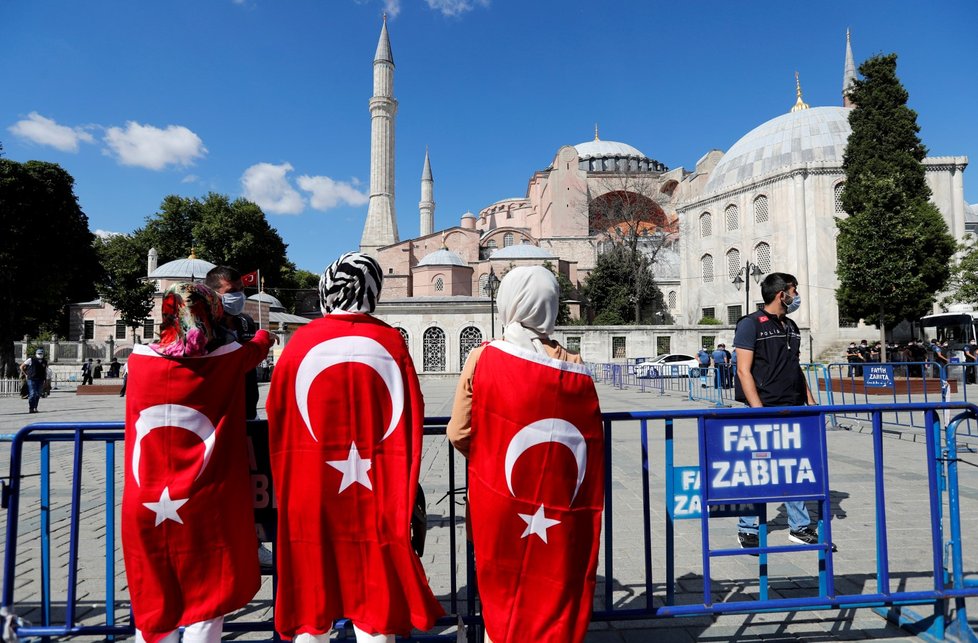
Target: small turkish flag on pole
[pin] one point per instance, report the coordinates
(250, 279)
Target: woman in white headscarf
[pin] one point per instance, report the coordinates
(528, 300)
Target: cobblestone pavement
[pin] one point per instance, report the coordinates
(792, 575)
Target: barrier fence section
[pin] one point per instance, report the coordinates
(723, 483)
(896, 382)
(711, 384)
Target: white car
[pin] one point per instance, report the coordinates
(670, 365)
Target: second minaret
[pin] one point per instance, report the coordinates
(427, 203)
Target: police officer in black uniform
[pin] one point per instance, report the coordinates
(769, 373)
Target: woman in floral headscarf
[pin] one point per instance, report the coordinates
(187, 518)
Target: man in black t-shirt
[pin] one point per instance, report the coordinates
(769, 373)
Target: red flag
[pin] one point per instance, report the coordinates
(346, 417)
(188, 530)
(536, 535)
(250, 279)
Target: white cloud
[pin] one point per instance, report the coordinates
(327, 193)
(392, 7)
(154, 148)
(267, 185)
(455, 7)
(190, 178)
(105, 234)
(44, 131)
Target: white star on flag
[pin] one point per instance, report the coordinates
(166, 508)
(537, 524)
(354, 469)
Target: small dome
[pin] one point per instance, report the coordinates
(818, 134)
(182, 269)
(601, 149)
(521, 251)
(443, 257)
(265, 298)
(468, 215)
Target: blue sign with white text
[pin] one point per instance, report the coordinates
(764, 459)
(878, 375)
(687, 502)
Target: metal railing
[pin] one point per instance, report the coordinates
(60, 614)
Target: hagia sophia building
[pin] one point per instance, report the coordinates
(770, 200)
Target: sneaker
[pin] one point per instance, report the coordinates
(747, 541)
(804, 536)
(266, 559)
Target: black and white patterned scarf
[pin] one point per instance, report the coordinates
(351, 283)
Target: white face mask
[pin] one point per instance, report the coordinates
(233, 302)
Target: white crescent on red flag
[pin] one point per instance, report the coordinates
(250, 279)
(345, 416)
(536, 491)
(188, 531)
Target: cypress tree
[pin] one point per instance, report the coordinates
(894, 246)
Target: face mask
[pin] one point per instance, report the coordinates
(233, 302)
(794, 305)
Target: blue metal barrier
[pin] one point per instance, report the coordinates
(949, 584)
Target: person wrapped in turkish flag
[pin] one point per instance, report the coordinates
(526, 415)
(188, 534)
(346, 418)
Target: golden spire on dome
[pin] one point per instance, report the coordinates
(799, 104)
(193, 255)
(596, 132)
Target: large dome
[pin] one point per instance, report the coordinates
(818, 134)
(182, 269)
(600, 149)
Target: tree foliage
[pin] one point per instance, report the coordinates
(894, 246)
(963, 285)
(123, 286)
(621, 283)
(567, 291)
(47, 257)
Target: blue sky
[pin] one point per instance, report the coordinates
(268, 98)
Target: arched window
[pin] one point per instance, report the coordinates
(706, 224)
(733, 262)
(484, 284)
(404, 336)
(491, 244)
(707, 263)
(762, 257)
(439, 284)
(467, 340)
(508, 239)
(672, 299)
(434, 350)
(760, 209)
(837, 191)
(733, 217)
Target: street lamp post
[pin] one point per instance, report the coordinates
(492, 285)
(743, 277)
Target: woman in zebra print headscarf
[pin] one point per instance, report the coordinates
(351, 283)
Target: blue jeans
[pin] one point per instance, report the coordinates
(34, 388)
(797, 518)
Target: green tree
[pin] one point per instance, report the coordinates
(47, 257)
(610, 289)
(224, 232)
(567, 291)
(963, 285)
(123, 286)
(894, 247)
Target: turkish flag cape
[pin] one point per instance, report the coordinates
(345, 416)
(536, 491)
(188, 532)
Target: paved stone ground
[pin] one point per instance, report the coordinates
(735, 578)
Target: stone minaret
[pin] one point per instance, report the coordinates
(151, 261)
(427, 204)
(849, 75)
(380, 228)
